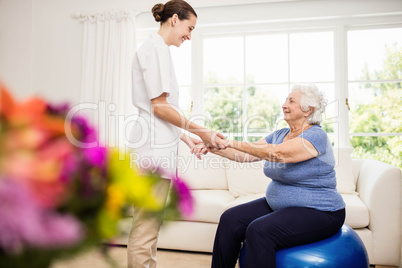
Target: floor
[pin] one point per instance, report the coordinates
(166, 259)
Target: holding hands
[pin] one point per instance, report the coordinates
(200, 149)
(210, 141)
(213, 139)
(216, 143)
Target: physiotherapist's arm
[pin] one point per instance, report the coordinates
(191, 142)
(162, 109)
(292, 151)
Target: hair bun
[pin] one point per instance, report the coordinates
(157, 11)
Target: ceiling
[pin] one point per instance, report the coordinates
(209, 3)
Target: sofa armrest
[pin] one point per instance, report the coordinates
(379, 187)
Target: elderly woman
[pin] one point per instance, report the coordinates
(301, 204)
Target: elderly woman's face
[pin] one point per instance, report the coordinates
(292, 109)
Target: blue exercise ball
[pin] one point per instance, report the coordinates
(345, 249)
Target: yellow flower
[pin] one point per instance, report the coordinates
(115, 198)
(140, 190)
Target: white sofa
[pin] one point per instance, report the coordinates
(371, 190)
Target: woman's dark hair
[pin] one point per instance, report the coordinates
(162, 12)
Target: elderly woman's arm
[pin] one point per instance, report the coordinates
(229, 153)
(236, 155)
(291, 151)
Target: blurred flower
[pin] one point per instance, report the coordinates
(16, 114)
(96, 156)
(25, 223)
(186, 201)
(58, 109)
(56, 197)
(87, 133)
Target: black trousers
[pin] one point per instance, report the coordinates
(267, 231)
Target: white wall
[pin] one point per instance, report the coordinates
(40, 43)
(16, 45)
(57, 44)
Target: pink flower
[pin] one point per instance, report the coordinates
(69, 169)
(186, 201)
(23, 223)
(96, 156)
(43, 171)
(87, 133)
(29, 138)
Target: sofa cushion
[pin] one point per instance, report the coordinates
(207, 173)
(357, 213)
(209, 205)
(246, 178)
(344, 170)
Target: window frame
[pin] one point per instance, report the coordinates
(339, 26)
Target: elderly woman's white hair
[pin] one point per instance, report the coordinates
(312, 97)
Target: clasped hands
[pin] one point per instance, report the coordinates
(212, 141)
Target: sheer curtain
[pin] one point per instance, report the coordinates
(107, 51)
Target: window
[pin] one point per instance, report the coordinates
(242, 75)
(247, 77)
(182, 64)
(375, 94)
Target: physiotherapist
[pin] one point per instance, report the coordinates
(158, 129)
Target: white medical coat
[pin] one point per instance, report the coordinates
(155, 141)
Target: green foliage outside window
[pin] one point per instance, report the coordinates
(381, 115)
(224, 106)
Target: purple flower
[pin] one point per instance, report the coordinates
(58, 108)
(70, 166)
(95, 156)
(23, 223)
(57, 231)
(87, 132)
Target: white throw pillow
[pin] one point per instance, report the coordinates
(246, 178)
(345, 182)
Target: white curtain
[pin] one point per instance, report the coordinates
(107, 52)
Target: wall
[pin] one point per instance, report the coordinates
(40, 43)
(16, 45)
(57, 45)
